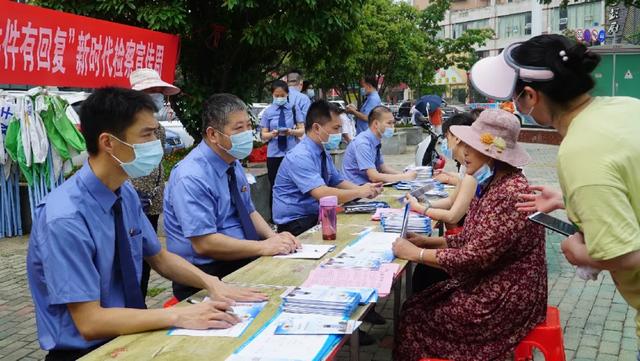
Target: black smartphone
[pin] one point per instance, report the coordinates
(553, 223)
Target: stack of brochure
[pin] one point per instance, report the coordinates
(321, 300)
(416, 224)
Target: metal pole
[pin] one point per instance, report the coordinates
(613, 71)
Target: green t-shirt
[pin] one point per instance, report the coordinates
(599, 171)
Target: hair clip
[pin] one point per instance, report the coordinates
(563, 55)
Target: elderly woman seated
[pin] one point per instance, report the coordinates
(497, 290)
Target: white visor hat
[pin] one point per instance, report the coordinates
(496, 76)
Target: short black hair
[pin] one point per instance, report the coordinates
(217, 108)
(294, 77)
(371, 80)
(111, 110)
(377, 112)
(571, 73)
(457, 119)
(279, 84)
(475, 113)
(319, 112)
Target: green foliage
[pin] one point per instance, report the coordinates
(239, 46)
(397, 43)
(154, 291)
(229, 45)
(170, 160)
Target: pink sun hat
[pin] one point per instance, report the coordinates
(496, 76)
(495, 134)
(145, 78)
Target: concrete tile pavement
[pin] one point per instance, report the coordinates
(598, 324)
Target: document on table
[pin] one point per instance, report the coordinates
(247, 312)
(310, 251)
(372, 247)
(267, 346)
(380, 279)
(310, 324)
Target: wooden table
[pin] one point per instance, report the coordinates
(272, 276)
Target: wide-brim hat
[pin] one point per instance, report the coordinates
(496, 76)
(142, 79)
(495, 134)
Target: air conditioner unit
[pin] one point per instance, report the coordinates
(527, 26)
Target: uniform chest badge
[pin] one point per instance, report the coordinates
(244, 189)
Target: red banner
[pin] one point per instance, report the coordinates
(45, 47)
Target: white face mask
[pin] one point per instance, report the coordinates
(158, 100)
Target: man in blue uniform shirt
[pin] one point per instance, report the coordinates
(307, 173)
(363, 161)
(90, 235)
(369, 89)
(302, 101)
(209, 217)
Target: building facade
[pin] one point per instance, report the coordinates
(518, 20)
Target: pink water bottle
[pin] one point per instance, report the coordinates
(328, 218)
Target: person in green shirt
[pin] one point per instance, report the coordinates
(549, 78)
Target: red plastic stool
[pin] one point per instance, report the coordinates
(170, 302)
(546, 337)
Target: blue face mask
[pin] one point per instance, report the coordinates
(148, 156)
(483, 175)
(363, 92)
(388, 133)
(528, 114)
(280, 101)
(333, 142)
(445, 150)
(311, 93)
(241, 144)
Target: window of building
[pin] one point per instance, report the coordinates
(460, 28)
(516, 25)
(579, 16)
(482, 54)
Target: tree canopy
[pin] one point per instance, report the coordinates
(237, 46)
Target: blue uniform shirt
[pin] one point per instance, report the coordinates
(362, 154)
(372, 101)
(302, 101)
(197, 202)
(71, 249)
(270, 120)
(299, 174)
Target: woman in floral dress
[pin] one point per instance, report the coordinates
(497, 292)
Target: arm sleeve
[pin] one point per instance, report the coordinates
(69, 269)
(264, 122)
(194, 207)
(305, 103)
(150, 243)
(501, 227)
(335, 177)
(365, 158)
(607, 220)
(305, 174)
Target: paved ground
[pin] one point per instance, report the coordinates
(598, 324)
